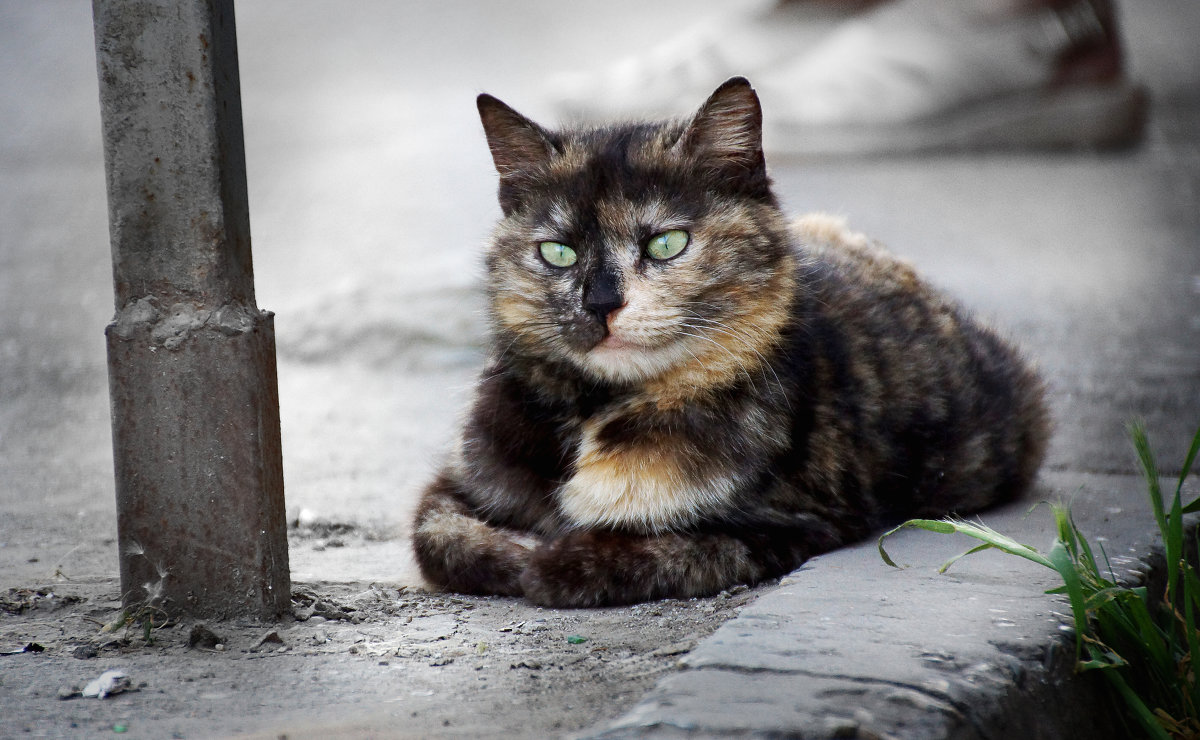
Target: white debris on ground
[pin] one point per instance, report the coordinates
(108, 683)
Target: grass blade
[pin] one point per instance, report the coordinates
(1085, 557)
(1187, 469)
(1191, 598)
(991, 537)
(978, 548)
(1137, 431)
(1061, 561)
(1173, 544)
(1190, 459)
(1147, 719)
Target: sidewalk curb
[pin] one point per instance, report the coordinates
(846, 647)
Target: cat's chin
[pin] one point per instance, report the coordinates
(613, 343)
(623, 361)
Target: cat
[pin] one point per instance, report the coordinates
(684, 392)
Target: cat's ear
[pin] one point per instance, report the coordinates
(727, 130)
(519, 146)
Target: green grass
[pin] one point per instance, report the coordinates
(1145, 645)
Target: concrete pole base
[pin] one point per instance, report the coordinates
(200, 507)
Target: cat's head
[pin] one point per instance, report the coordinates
(639, 251)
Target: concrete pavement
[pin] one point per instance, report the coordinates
(370, 188)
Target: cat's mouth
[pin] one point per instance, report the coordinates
(627, 358)
(616, 342)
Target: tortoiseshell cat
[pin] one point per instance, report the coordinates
(683, 393)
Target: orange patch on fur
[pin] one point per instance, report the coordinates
(736, 349)
(645, 487)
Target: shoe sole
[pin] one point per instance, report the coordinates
(1080, 117)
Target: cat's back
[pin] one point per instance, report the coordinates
(925, 380)
(851, 273)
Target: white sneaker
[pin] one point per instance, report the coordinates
(671, 77)
(922, 75)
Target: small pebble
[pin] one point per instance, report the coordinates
(272, 637)
(202, 636)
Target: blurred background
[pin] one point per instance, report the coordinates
(371, 193)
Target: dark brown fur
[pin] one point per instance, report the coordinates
(773, 392)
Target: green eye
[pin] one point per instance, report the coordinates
(559, 255)
(667, 244)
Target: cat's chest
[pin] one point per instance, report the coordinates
(635, 469)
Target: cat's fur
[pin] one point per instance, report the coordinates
(648, 429)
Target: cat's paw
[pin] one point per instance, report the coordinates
(588, 569)
(461, 553)
(601, 568)
(564, 572)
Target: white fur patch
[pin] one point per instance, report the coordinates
(644, 488)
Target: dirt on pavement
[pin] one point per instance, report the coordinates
(353, 659)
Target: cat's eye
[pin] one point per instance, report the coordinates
(666, 245)
(559, 255)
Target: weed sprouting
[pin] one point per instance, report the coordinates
(1145, 645)
(146, 614)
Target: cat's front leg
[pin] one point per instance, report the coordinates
(595, 568)
(458, 551)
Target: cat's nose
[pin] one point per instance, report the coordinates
(604, 310)
(602, 298)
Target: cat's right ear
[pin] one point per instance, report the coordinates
(519, 147)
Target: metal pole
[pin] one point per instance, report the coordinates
(191, 358)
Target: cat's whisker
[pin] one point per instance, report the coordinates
(740, 332)
(527, 332)
(728, 351)
(743, 337)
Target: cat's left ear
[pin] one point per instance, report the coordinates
(727, 130)
(519, 147)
